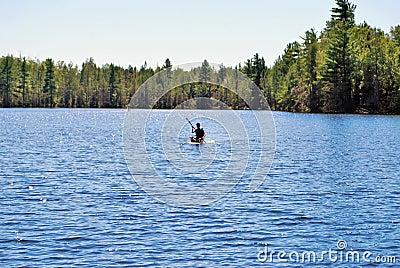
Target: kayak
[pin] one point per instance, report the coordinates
(193, 143)
(200, 143)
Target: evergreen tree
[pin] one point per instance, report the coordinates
(23, 82)
(49, 84)
(112, 87)
(258, 68)
(339, 66)
(347, 68)
(248, 69)
(221, 78)
(5, 81)
(68, 85)
(88, 81)
(395, 34)
(310, 50)
(205, 72)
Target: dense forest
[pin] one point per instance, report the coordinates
(347, 68)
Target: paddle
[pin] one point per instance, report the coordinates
(190, 123)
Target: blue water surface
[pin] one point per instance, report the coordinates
(67, 197)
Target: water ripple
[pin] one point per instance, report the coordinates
(67, 198)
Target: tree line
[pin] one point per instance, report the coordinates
(346, 68)
(32, 83)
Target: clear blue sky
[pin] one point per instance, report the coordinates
(129, 32)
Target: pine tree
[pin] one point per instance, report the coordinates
(310, 49)
(88, 82)
(339, 66)
(205, 72)
(49, 84)
(258, 68)
(23, 82)
(5, 81)
(112, 87)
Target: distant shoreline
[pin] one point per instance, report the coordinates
(347, 68)
(121, 109)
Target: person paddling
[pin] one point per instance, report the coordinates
(200, 134)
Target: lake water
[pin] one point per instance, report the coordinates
(67, 197)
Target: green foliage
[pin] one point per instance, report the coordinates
(23, 83)
(343, 13)
(6, 81)
(395, 34)
(49, 84)
(205, 72)
(338, 70)
(31, 83)
(345, 68)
